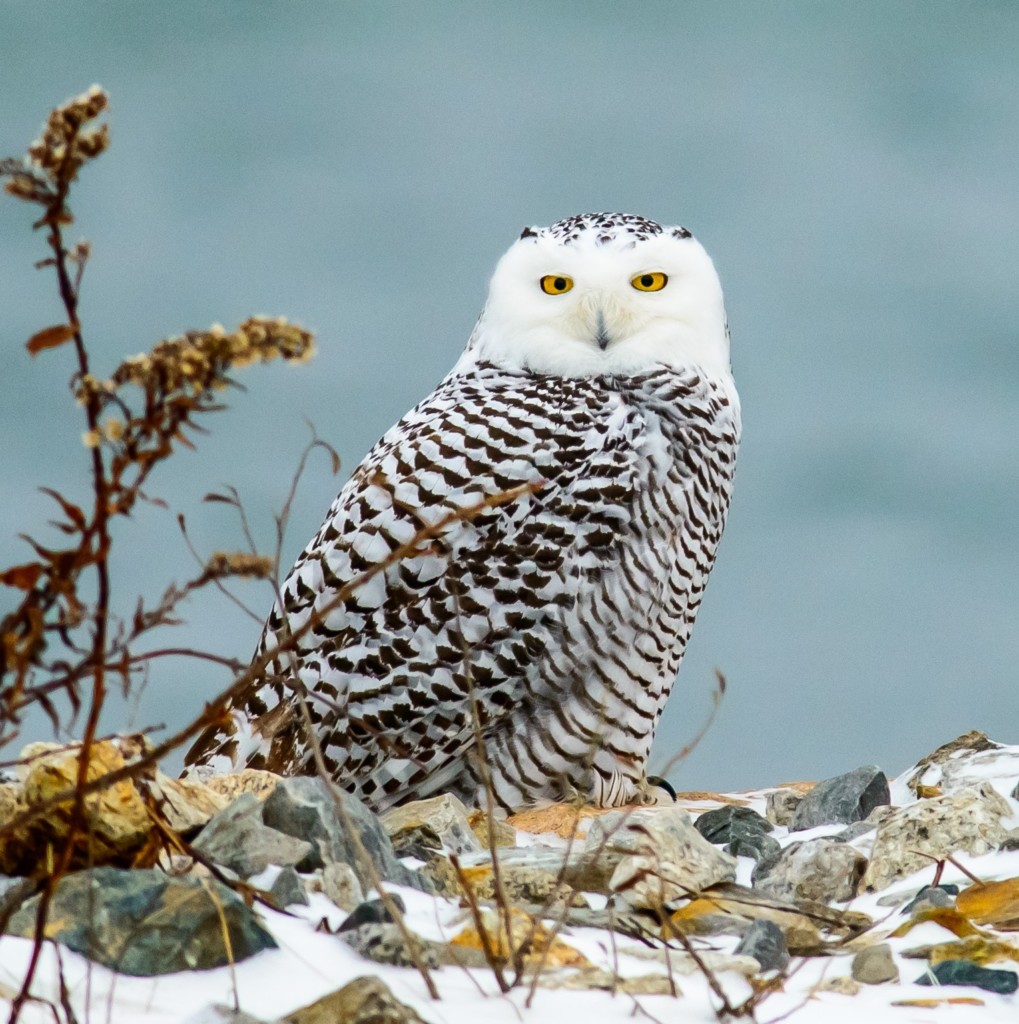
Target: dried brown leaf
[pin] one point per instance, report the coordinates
(994, 903)
(50, 337)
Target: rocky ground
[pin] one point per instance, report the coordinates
(851, 892)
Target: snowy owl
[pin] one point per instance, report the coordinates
(543, 632)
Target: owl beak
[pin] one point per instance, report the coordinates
(601, 333)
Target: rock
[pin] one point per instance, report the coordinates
(1011, 840)
(598, 979)
(761, 847)
(931, 897)
(424, 827)
(505, 834)
(237, 839)
(875, 965)
(288, 889)
(187, 805)
(14, 892)
(372, 912)
(117, 822)
(362, 1001)
(780, 805)
(1015, 792)
(819, 869)
(521, 882)
(340, 884)
(729, 909)
(929, 774)
(967, 820)
(232, 784)
(217, 1013)
(724, 824)
(144, 923)
(962, 972)
(387, 944)
(305, 807)
(656, 855)
(845, 798)
(765, 942)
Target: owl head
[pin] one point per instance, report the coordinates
(603, 293)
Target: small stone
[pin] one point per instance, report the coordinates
(386, 944)
(305, 807)
(931, 897)
(288, 889)
(765, 942)
(724, 824)
(237, 839)
(819, 869)
(424, 827)
(372, 912)
(914, 836)
(780, 805)
(656, 855)
(1015, 793)
(845, 798)
(341, 885)
(875, 965)
(144, 923)
(364, 1000)
(962, 972)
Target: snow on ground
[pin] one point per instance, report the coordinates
(309, 964)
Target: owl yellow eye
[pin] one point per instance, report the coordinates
(650, 282)
(556, 284)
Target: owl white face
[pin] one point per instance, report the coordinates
(603, 294)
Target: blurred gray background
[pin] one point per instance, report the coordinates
(360, 167)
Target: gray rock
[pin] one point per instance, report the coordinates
(288, 889)
(236, 838)
(1015, 792)
(819, 869)
(305, 807)
(340, 884)
(14, 892)
(656, 855)
(963, 972)
(762, 848)
(726, 824)
(845, 798)
(386, 944)
(780, 805)
(875, 965)
(362, 1001)
(144, 923)
(765, 942)
(967, 820)
(424, 827)
(372, 912)
(932, 897)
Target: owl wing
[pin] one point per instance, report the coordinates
(393, 670)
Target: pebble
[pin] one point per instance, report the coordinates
(875, 965)
(341, 885)
(365, 1000)
(931, 897)
(724, 824)
(780, 806)
(372, 912)
(288, 889)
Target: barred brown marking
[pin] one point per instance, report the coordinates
(566, 612)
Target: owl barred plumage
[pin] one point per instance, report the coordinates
(596, 381)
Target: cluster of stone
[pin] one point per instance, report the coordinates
(776, 870)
